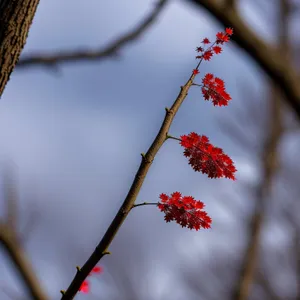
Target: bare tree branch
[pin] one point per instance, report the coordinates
(67, 56)
(11, 243)
(270, 166)
(231, 3)
(279, 68)
(147, 159)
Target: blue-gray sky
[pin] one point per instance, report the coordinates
(75, 137)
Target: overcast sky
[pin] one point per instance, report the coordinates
(74, 137)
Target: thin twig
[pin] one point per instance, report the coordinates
(173, 138)
(52, 59)
(145, 203)
(146, 162)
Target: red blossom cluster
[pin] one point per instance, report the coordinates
(203, 156)
(213, 88)
(214, 48)
(85, 287)
(184, 210)
(207, 158)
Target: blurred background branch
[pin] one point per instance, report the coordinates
(51, 60)
(9, 238)
(270, 165)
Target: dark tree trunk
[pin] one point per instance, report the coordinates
(15, 19)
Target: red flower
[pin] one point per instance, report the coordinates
(207, 158)
(229, 31)
(186, 211)
(196, 71)
(207, 55)
(214, 89)
(222, 38)
(206, 41)
(84, 287)
(217, 49)
(96, 270)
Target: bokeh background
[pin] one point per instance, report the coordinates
(73, 134)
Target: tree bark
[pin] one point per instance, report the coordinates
(15, 19)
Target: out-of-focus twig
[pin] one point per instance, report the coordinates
(147, 159)
(270, 165)
(53, 59)
(231, 3)
(264, 281)
(10, 241)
